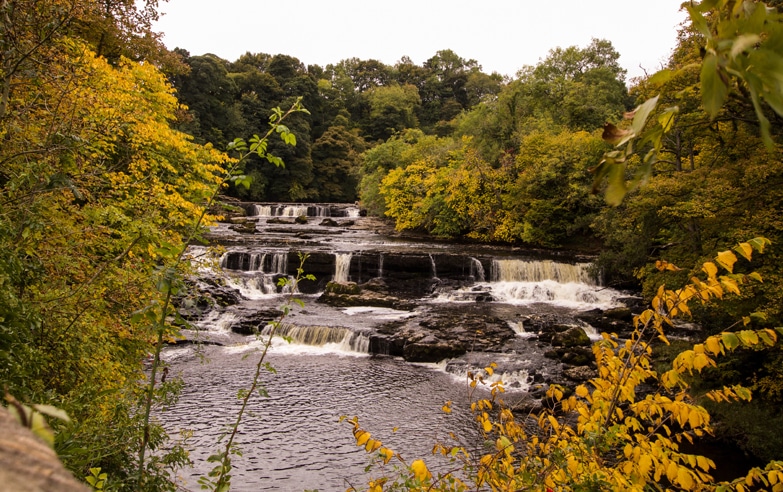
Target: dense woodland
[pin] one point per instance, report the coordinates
(113, 147)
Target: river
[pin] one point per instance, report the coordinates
(293, 439)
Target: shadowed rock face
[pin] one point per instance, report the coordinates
(27, 464)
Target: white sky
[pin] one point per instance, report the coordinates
(501, 35)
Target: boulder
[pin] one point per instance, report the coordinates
(574, 336)
(432, 337)
(243, 226)
(27, 464)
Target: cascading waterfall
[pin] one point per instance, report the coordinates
(538, 271)
(279, 263)
(434, 270)
(293, 211)
(477, 270)
(352, 212)
(342, 267)
(380, 265)
(263, 210)
(320, 336)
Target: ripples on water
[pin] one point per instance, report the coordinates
(292, 440)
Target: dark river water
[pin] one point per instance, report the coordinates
(293, 440)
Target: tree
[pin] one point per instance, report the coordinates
(95, 188)
(211, 97)
(392, 109)
(336, 163)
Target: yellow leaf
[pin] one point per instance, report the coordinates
(645, 463)
(684, 479)
(713, 345)
(420, 471)
(672, 471)
(362, 437)
(726, 259)
(387, 454)
(700, 361)
(730, 285)
(710, 269)
(487, 425)
(744, 249)
(704, 463)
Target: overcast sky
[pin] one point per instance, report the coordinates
(501, 35)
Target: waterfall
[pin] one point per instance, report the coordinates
(538, 271)
(342, 267)
(320, 336)
(257, 261)
(263, 210)
(319, 211)
(380, 265)
(352, 212)
(279, 263)
(477, 270)
(434, 270)
(293, 211)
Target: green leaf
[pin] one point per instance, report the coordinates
(616, 189)
(730, 340)
(661, 77)
(642, 113)
(714, 91)
(698, 20)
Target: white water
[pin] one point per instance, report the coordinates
(477, 270)
(509, 270)
(342, 266)
(292, 210)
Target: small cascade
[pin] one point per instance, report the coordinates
(257, 262)
(337, 337)
(538, 271)
(434, 270)
(279, 263)
(477, 270)
(293, 211)
(319, 211)
(352, 212)
(257, 286)
(380, 265)
(263, 210)
(342, 267)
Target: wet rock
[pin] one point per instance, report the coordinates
(343, 288)
(433, 337)
(302, 219)
(580, 374)
(376, 285)
(253, 322)
(350, 294)
(619, 313)
(431, 349)
(329, 223)
(575, 356)
(574, 336)
(243, 226)
(598, 319)
(277, 220)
